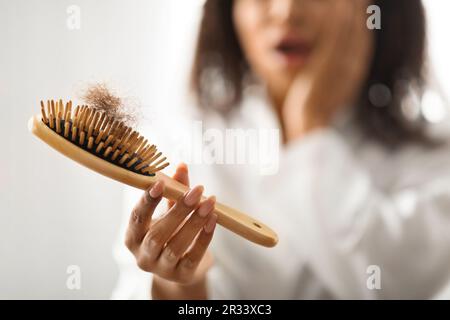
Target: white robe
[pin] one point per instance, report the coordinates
(354, 219)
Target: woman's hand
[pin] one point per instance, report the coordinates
(335, 73)
(173, 246)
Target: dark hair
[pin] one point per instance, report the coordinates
(398, 64)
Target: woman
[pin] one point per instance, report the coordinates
(361, 196)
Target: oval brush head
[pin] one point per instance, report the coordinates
(103, 136)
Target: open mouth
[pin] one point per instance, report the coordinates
(292, 48)
(292, 51)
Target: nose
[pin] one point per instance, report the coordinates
(285, 11)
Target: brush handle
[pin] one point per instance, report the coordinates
(232, 219)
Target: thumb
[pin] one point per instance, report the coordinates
(181, 175)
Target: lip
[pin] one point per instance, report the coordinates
(292, 50)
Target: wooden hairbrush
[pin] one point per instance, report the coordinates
(113, 149)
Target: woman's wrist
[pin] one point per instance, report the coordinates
(298, 127)
(163, 289)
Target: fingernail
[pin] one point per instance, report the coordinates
(211, 224)
(206, 207)
(157, 189)
(193, 196)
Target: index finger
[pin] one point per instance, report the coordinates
(142, 213)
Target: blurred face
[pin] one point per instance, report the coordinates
(279, 36)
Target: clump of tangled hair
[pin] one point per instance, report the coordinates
(100, 97)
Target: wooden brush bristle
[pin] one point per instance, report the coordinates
(103, 136)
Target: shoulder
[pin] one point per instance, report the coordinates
(422, 163)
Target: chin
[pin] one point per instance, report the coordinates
(287, 75)
(287, 70)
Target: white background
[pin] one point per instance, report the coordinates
(53, 213)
